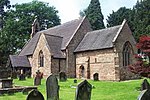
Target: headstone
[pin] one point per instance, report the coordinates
(144, 95)
(35, 95)
(83, 91)
(62, 76)
(75, 81)
(38, 77)
(145, 85)
(22, 77)
(95, 77)
(52, 88)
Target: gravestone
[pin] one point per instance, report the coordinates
(144, 95)
(38, 77)
(83, 91)
(62, 76)
(52, 88)
(95, 77)
(22, 77)
(75, 81)
(145, 85)
(35, 95)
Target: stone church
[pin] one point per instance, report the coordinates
(77, 50)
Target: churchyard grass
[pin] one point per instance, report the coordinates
(103, 90)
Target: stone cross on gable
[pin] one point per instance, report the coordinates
(35, 27)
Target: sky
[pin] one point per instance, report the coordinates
(69, 9)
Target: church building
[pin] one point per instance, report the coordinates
(78, 51)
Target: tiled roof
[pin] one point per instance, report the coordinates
(19, 61)
(66, 31)
(54, 43)
(99, 39)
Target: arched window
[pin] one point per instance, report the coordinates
(41, 59)
(127, 50)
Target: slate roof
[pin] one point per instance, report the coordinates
(29, 48)
(54, 43)
(99, 39)
(66, 31)
(19, 61)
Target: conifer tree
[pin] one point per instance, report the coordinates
(94, 14)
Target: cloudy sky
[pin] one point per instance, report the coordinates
(69, 9)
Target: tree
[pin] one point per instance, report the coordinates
(17, 27)
(142, 66)
(3, 4)
(138, 18)
(116, 18)
(94, 14)
(141, 20)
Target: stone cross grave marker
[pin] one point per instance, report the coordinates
(62, 76)
(83, 91)
(38, 77)
(52, 88)
(145, 85)
(35, 95)
(144, 95)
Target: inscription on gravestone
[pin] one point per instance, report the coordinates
(83, 91)
(52, 88)
(35, 95)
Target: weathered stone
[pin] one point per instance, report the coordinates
(144, 95)
(145, 85)
(83, 91)
(39, 76)
(95, 77)
(6, 83)
(35, 95)
(75, 81)
(62, 76)
(52, 88)
(22, 77)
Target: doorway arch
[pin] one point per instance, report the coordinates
(96, 77)
(81, 71)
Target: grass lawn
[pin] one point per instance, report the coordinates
(104, 90)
